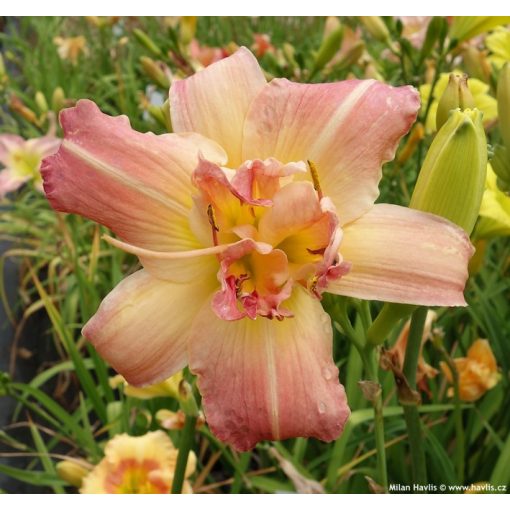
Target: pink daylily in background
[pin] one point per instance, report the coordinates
(206, 55)
(262, 45)
(415, 29)
(22, 160)
(234, 228)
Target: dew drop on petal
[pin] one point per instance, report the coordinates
(326, 373)
(321, 407)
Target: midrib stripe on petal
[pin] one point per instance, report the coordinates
(269, 339)
(330, 129)
(120, 176)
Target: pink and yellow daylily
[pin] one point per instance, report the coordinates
(234, 228)
(21, 160)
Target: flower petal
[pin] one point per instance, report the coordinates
(8, 143)
(347, 129)
(136, 184)
(404, 256)
(263, 379)
(141, 326)
(214, 101)
(175, 266)
(9, 182)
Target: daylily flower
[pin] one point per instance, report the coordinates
(479, 90)
(171, 420)
(137, 465)
(478, 372)
(398, 351)
(70, 48)
(494, 211)
(415, 29)
(234, 228)
(206, 55)
(499, 44)
(167, 388)
(22, 160)
(262, 45)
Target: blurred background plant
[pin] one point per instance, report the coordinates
(70, 407)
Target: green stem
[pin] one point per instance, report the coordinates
(244, 462)
(457, 415)
(372, 369)
(412, 418)
(185, 445)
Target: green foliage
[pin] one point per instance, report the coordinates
(66, 269)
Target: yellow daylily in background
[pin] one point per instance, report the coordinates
(478, 372)
(167, 388)
(137, 465)
(70, 48)
(499, 44)
(480, 91)
(466, 27)
(494, 211)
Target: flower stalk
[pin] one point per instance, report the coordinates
(185, 444)
(412, 418)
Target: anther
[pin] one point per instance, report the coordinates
(212, 221)
(313, 287)
(315, 178)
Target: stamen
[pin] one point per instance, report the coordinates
(315, 178)
(319, 251)
(313, 287)
(212, 222)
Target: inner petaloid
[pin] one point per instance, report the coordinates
(291, 234)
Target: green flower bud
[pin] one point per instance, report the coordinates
(58, 99)
(3, 73)
(452, 178)
(289, 53)
(155, 72)
(501, 164)
(187, 399)
(187, 29)
(351, 57)
(375, 27)
(476, 63)
(329, 47)
(456, 95)
(72, 472)
(41, 102)
(146, 41)
(504, 105)
(165, 110)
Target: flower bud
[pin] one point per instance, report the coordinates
(187, 29)
(504, 105)
(375, 27)
(289, 53)
(452, 178)
(501, 165)
(72, 472)
(155, 72)
(351, 56)
(41, 102)
(330, 45)
(58, 100)
(165, 110)
(146, 41)
(456, 95)
(3, 73)
(17, 106)
(476, 63)
(187, 399)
